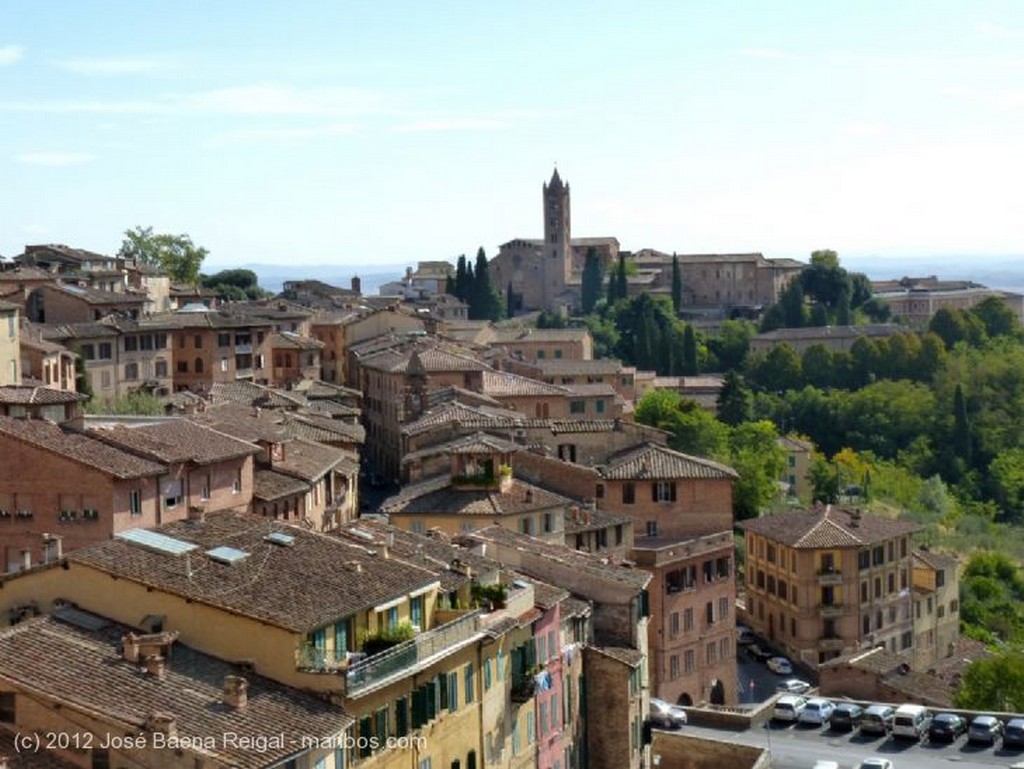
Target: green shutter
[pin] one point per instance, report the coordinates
(382, 726)
(401, 717)
(432, 698)
(442, 683)
(366, 734)
(453, 691)
(419, 707)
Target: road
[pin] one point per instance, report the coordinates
(798, 747)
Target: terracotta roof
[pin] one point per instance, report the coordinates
(27, 396)
(308, 460)
(545, 596)
(564, 367)
(575, 607)
(331, 409)
(795, 444)
(246, 423)
(591, 389)
(25, 272)
(43, 346)
(322, 429)
(503, 383)
(252, 394)
(315, 389)
(591, 520)
(517, 335)
(595, 567)
(455, 411)
(387, 360)
(288, 340)
(436, 359)
(832, 527)
(661, 463)
(272, 584)
(437, 496)
(79, 447)
(93, 676)
(14, 755)
(623, 654)
(477, 443)
(96, 296)
(937, 560)
(175, 440)
(268, 485)
(453, 565)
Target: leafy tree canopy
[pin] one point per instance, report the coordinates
(174, 254)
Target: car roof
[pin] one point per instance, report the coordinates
(819, 701)
(880, 709)
(945, 716)
(789, 699)
(984, 719)
(848, 706)
(1016, 722)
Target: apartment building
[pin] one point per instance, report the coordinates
(341, 330)
(796, 476)
(538, 344)
(915, 300)
(936, 595)
(39, 402)
(825, 582)
(70, 303)
(605, 371)
(47, 363)
(293, 358)
(10, 344)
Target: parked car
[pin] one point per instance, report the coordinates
(744, 635)
(911, 721)
(788, 707)
(876, 763)
(985, 729)
(817, 711)
(877, 719)
(780, 665)
(846, 716)
(823, 764)
(758, 653)
(665, 715)
(946, 727)
(1013, 733)
(793, 686)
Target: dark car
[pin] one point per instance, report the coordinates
(847, 716)
(759, 654)
(946, 727)
(1013, 734)
(985, 729)
(877, 720)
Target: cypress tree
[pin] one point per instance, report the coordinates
(621, 286)
(510, 301)
(484, 302)
(449, 285)
(677, 285)
(460, 278)
(689, 352)
(591, 289)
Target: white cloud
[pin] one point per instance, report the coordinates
(111, 66)
(863, 129)
(438, 125)
(54, 159)
(764, 53)
(1010, 98)
(10, 54)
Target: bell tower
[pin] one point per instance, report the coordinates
(557, 249)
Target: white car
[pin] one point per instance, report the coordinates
(876, 763)
(788, 707)
(817, 711)
(780, 665)
(823, 764)
(793, 686)
(665, 715)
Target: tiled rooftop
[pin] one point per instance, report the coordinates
(252, 394)
(271, 585)
(503, 383)
(84, 670)
(831, 527)
(477, 443)
(437, 496)
(290, 341)
(564, 367)
(96, 296)
(591, 520)
(662, 463)
(623, 654)
(308, 460)
(268, 485)
(27, 396)
(176, 440)
(80, 448)
(322, 429)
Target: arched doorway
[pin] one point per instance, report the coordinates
(717, 693)
(684, 699)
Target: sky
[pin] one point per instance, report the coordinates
(385, 133)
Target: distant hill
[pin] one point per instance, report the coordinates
(272, 276)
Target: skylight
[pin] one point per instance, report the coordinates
(228, 555)
(160, 543)
(280, 538)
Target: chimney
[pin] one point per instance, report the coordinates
(156, 666)
(357, 285)
(162, 722)
(529, 495)
(236, 691)
(130, 647)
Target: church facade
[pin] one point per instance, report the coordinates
(547, 274)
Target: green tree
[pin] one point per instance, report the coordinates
(735, 400)
(83, 384)
(817, 366)
(690, 365)
(961, 439)
(677, 285)
(621, 284)
(461, 283)
(484, 302)
(955, 326)
(843, 314)
(996, 316)
(993, 683)
(779, 370)
(732, 343)
(694, 430)
(138, 403)
(755, 454)
(1007, 471)
(791, 304)
(174, 254)
(823, 279)
(234, 284)
(592, 279)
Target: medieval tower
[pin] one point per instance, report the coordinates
(557, 236)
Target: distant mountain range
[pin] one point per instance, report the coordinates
(1004, 271)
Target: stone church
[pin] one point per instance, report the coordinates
(547, 274)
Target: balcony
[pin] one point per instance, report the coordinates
(408, 657)
(831, 610)
(831, 577)
(523, 688)
(243, 349)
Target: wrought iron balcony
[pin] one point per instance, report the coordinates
(831, 577)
